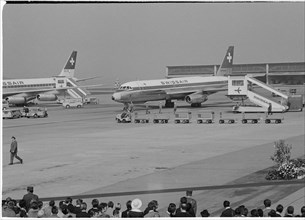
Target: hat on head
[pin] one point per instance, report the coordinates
(30, 188)
(136, 204)
(205, 213)
(11, 204)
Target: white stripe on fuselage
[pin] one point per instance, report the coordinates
(173, 87)
(169, 83)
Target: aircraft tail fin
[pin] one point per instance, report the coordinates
(117, 84)
(227, 63)
(69, 68)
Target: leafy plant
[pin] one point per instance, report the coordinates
(282, 153)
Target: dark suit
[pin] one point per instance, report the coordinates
(28, 198)
(228, 213)
(83, 214)
(14, 150)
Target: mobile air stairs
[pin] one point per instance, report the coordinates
(240, 88)
(80, 93)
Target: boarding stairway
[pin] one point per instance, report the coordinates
(241, 85)
(80, 93)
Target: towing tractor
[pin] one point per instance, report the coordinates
(124, 117)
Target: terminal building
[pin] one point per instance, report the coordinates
(287, 77)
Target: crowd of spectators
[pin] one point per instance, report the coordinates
(30, 206)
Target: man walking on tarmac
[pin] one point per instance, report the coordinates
(13, 150)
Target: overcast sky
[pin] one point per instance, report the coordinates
(137, 41)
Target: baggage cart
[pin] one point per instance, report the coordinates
(273, 119)
(161, 118)
(141, 118)
(250, 119)
(205, 117)
(223, 120)
(183, 117)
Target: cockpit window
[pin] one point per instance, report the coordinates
(125, 88)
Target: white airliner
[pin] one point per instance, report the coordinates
(194, 90)
(21, 91)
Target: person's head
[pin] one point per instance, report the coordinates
(110, 204)
(13, 138)
(267, 203)
(245, 212)
(103, 207)
(8, 199)
(34, 205)
(290, 210)
(68, 200)
(83, 206)
(95, 203)
(54, 210)
(171, 208)
(272, 213)
(40, 204)
(128, 205)
(238, 211)
(136, 204)
(64, 209)
(30, 189)
(151, 205)
(254, 213)
(260, 213)
(189, 192)
(279, 208)
(79, 202)
(116, 213)
(11, 205)
(118, 206)
(183, 200)
(303, 210)
(52, 203)
(205, 213)
(226, 203)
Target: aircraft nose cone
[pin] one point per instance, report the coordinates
(116, 97)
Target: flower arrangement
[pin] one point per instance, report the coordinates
(286, 168)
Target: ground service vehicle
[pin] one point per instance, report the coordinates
(5, 105)
(143, 118)
(205, 117)
(273, 119)
(11, 113)
(250, 119)
(183, 117)
(124, 117)
(161, 118)
(91, 100)
(223, 120)
(76, 103)
(37, 113)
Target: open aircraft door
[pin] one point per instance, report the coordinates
(60, 82)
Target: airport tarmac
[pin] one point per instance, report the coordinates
(84, 151)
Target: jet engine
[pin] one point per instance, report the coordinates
(196, 98)
(16, 100)
(46, 97)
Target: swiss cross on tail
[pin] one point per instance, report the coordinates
(71, 61)
(227, 63)
(228, 60)
(229, 57)
(69, 68)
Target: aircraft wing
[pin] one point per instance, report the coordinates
(207, 90)
(36, 91)
(85, 79)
